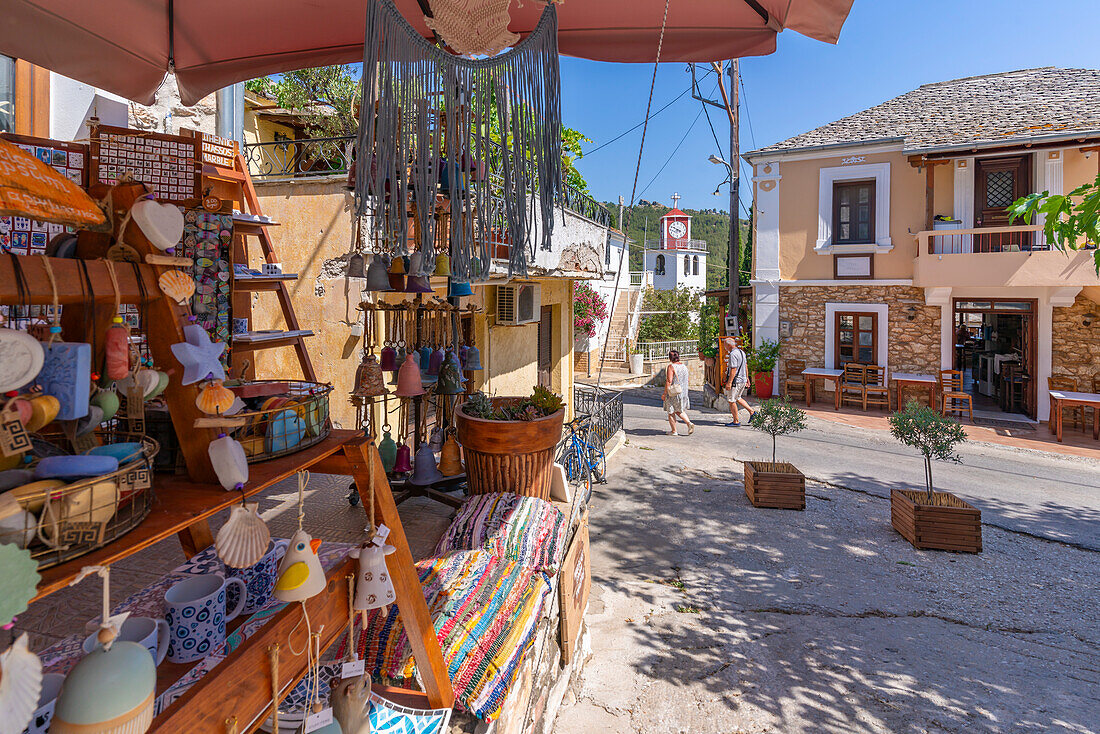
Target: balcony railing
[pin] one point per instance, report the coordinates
(1026, 238)
(687, 245)
(640, 278)
(329, 156)
(658, 351)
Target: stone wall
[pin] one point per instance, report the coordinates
(167, 114)
(913, 345)
(1075, 348)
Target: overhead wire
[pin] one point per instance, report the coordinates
(627, 132)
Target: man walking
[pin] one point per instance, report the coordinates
(737, 380)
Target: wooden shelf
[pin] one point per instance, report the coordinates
(287, 339)
(262, 282)
(244, 226)
(181, 503)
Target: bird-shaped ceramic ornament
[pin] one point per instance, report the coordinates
(373, 587)
(300, 575)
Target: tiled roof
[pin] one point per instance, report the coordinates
(977, 110)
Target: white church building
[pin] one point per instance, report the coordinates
(675, 260)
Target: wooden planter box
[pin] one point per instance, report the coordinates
(778, 485)
(949, 524)
(509, 456)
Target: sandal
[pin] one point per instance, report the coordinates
(691, 428)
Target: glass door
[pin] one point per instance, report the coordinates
(856, 336)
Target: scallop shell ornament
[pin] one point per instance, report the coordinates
(20, 684)
(177, 285)
(244, 538)
(215, 398)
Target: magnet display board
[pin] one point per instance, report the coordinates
(167, 164)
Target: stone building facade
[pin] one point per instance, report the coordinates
(1076, 343)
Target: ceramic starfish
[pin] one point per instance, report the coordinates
(198, 355)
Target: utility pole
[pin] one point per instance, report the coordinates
(730, 101)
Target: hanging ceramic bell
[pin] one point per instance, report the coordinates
(368, 379)
(435, 443)
(475, 267)
(243, 540)
(463, 351)
(377, 277)
(426, 472)
(450, 463)
(418, 284)
(459, 288)
(357, 266)
(423, 358)
(408, 379)
(388, 360)
(473, 360)
(403, 463)
(396, 274)
(416, 264)
(450, 379)
(442, 265)
(435, 359)
(229, 461)
(387, 449)
(300, 575)
(398, 266)
(110, 690)
(373, 587)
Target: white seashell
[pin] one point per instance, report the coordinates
(20, 684)
(244, 538)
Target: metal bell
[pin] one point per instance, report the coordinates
(387, 449)
(368, 379)
(473, 360)
(403, 463)
(408, 379)
(458, 288)
(450, 461)
(418, 284)
(388, 360)
(426, 472)
(450, 379)
(434, 361)
(442, 265)
(357, 266)
(378, 279)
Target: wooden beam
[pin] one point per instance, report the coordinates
(929, 195)
(40, 111)
(368, 471)
(72, 289)
(24, 97)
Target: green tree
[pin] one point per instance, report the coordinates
(670, 315)
(1072, 220)
(327, 97)
(571, 153)
(778, 417)
(930, 433)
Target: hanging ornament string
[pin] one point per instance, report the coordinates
(273, 655)
(303, 480)
(114, 285)
(55, 317)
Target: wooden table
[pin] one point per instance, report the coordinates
(825, 375)
(908, 378)
(1060, 399)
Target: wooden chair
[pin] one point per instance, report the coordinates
(1067, 383)
(851, 384)
(953, 399)
(794, 383)
(876, 390)
(1014, 381)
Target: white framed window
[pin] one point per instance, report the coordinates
(878, 177)
(880, 340)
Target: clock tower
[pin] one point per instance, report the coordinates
(675, 228)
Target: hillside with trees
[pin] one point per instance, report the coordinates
(709, 225)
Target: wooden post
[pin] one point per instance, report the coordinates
(361, 454)
(929, 194)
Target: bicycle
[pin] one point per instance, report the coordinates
(582, 456)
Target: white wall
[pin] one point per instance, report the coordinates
(73, 102)
(675, 275)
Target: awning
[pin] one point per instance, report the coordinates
(124, 46)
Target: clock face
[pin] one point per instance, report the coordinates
(677, 230)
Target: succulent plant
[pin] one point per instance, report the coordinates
(479, 405)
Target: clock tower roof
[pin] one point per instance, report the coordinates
(674, 212)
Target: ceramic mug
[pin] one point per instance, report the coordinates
(152, 634)
(259, 579)
(47, 697)
(240, 326)
(196, 613)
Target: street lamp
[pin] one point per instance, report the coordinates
(719, 161)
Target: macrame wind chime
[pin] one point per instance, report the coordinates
(485, 133)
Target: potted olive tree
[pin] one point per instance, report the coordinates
(509, 443)
(930, 519)
(761, 366)
(776, 484)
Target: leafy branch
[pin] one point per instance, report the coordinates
(1072, 221)
(930, 433)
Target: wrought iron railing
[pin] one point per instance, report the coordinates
(658, 351)
(1025, 238)
(603, 406)
(329, 156)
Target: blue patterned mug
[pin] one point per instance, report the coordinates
(152, 634)
(196, 613)
(258, 579)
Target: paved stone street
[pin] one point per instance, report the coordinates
(709, 615)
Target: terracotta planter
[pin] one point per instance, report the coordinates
(509, 456)
(948, 524)
(763, 383)
(778, 485)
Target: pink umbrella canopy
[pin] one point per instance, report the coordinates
(127, 46)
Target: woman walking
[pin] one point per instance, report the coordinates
(675, 395)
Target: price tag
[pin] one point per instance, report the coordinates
(352, 669)
(381, 534)
(211, 203)
(84, 441)
(317, 720)
(14, 438)
(135, 408)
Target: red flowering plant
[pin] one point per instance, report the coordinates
(589, 310)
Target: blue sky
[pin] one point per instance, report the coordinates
(887, 47)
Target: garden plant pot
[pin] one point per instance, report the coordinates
(636, 364)
(778, 485)
(948, 523)
(509, 456)
(763, 384)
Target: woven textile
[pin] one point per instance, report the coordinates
(527, 530)
(485, 610)
(472, 27)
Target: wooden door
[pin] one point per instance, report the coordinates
(856, 338)
(546, 339)
(997, 183)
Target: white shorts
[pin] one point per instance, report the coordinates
(736, 392)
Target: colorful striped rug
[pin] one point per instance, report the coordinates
(527, 530)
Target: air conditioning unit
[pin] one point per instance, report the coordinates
(518, 303)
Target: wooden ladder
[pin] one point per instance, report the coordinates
(238, 186)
